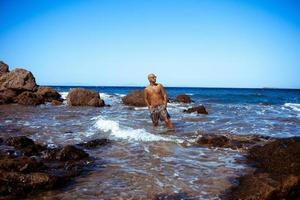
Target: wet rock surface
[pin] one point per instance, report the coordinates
(83, 97)
(134, 98)
(199, 109)
(95, 143)
(49, 94)
(183, 98)
(27, 167)
(29, 98)
(277, 173)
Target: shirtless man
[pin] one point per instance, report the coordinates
(156, 99)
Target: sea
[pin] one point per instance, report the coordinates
(146, 162)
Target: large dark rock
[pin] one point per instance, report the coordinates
(199, 109)
(277, 175)
(21, 164)
(183, 98)
(135, 98)
(49, 94)
(18, 79)
(29, 98)
(83, 97)
(3, 68)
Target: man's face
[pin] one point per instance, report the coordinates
(152, 78)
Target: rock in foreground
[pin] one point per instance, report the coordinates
(83, 97)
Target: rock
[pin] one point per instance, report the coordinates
(199, 109)
(71, 152)
(56, 103)
(29, 98)
(1, 140)
(18, 79)
(277, 174)
(213, 141)
(183, 98)
(135, 98)
(22, 164)
(3, 68)
(19, 142)
(49, 94)
(83, 97)
(95, 143)
(7, 96)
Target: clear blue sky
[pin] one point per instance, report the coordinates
(200, 43)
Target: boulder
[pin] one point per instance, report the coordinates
(29, 98)
(21, 164)
(3, 68)
(18, 79)
(135, 98)
(83, 97)
(199, 109)
(49, 94)
(183, 98)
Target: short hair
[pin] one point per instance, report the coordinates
(149, 75)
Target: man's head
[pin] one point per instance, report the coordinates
(152, 78)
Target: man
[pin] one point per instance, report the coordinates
(156, 99)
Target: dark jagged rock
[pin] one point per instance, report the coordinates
(83, 97)
(3, 68)
(29, 98)
(49, 94)
(95, 143)
(1, 141)
(183, 98)
(71, 152)
(19, 142)
(134, 98)
(45, 169)
(277, 174)
(199, 109)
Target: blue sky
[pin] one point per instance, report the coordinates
(199, 43)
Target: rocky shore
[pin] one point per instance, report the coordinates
(27, 167)
(276, 163)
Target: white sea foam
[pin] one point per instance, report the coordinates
(64, 94)
(294, 106)
(120, 95)
(104, 96)
(127, 133)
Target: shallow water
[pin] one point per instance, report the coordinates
(143, 162)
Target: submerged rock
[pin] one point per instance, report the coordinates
(135, 98)
(83, 97)
(71, 152)
(95, 143)
(183, 98)
(199, 109)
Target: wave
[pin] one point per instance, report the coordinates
(127, 133)
(64, 94)
(294, 106)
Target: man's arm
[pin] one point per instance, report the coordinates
(146, 98)
(164, 94)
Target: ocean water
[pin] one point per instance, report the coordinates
(144, 162)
